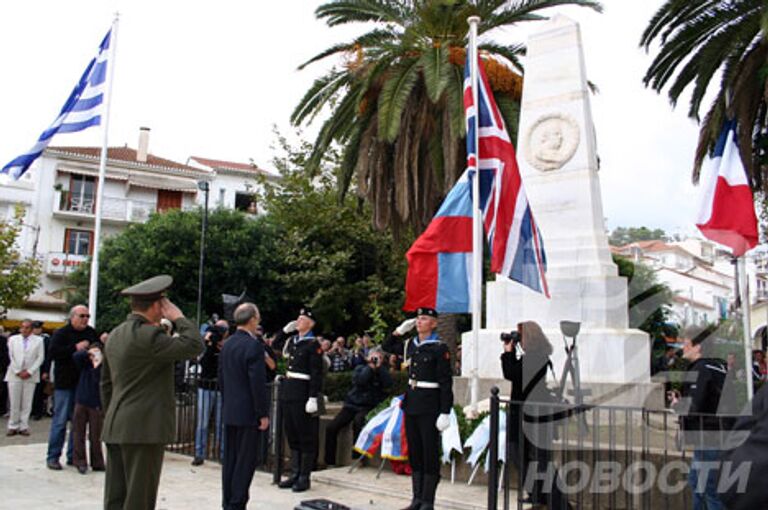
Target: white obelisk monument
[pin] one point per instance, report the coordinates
(558, 162)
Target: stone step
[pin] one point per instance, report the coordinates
(457, 496)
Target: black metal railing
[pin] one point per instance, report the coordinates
(596, 456)
(199, 426)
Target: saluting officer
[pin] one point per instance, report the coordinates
(137, 393)
(427, 405)
(299, 394)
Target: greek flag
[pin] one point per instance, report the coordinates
(81, 111)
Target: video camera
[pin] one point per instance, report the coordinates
(512, 336)
(217, 333)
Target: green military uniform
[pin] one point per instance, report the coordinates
(137, 395)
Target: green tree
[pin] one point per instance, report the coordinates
(649, 300)
(240, 255)
(396, 100)
(330, 256)
(702, 40)
(19, 276)
(625, 235)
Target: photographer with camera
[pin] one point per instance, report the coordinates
(208, 394)
(525, 362)
(370, 383)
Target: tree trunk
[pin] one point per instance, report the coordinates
(446, 329)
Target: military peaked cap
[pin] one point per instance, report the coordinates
(151, 289)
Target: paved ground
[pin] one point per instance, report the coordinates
(27, 483)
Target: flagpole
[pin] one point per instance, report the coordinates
(477, 225)
(94, 282)
(741, 271)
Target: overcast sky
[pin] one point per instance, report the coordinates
(211, 79)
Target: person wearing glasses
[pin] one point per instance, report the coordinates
(75, 336)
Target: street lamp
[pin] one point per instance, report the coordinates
(205, 187)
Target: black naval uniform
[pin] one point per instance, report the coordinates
(429, 394)
(304, 380)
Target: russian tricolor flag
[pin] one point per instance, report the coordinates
(727, 212)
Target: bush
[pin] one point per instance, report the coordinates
(337, 384)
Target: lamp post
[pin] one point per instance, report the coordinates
(205, 187)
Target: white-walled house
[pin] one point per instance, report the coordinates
(233, 185)
(60, 193)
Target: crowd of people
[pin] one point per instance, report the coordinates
(102, 385)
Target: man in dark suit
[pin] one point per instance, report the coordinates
(137, 393)
(245, 409)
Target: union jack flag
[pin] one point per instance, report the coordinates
(517, 249)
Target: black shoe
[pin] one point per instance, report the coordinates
(295, 467)
(54, 464)
(82, 470)
(198, 461)
(99, 469)
(70, 463)
(37, 417)
(302, 484)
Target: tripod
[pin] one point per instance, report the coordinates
(571, 368)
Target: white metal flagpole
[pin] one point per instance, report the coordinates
(477, 225)
(741, 271)
(94, 283)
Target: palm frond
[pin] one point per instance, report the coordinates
(511, 52)
(340, 12)
(437, 71)
(394, 96)
(323, 89)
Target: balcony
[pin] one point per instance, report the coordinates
(59, 264)
(114, 209)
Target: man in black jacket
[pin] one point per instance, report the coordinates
(76, 335)
(697, 405)
(370, 383)
(243, 383)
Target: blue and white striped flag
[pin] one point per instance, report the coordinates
(81, 111)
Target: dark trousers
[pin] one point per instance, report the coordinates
(241, 457)
(301, 429)
(423, 443)
(38, 401)
(93, 419)
(3, 393)
(133, 475)
(341, 420)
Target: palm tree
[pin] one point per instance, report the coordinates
(396, 100)
(701, 40)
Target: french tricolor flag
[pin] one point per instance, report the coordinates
(727, 212)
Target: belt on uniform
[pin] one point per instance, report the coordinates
(297, 375)
(423, 384)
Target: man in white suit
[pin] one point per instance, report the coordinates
(26, 352)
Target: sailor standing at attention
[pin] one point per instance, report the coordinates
(427, 405)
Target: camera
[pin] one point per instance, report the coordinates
(216, 333)
(512, 336)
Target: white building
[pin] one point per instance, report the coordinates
(59, 193)
(701, 274)
(234, 185)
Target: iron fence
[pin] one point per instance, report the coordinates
(594, 457)
(199, 426)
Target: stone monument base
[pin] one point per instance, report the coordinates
(614, 365)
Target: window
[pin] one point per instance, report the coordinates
(82, 193)
(167, 199)
(222, 196)
(246, 202)
(78, 242)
